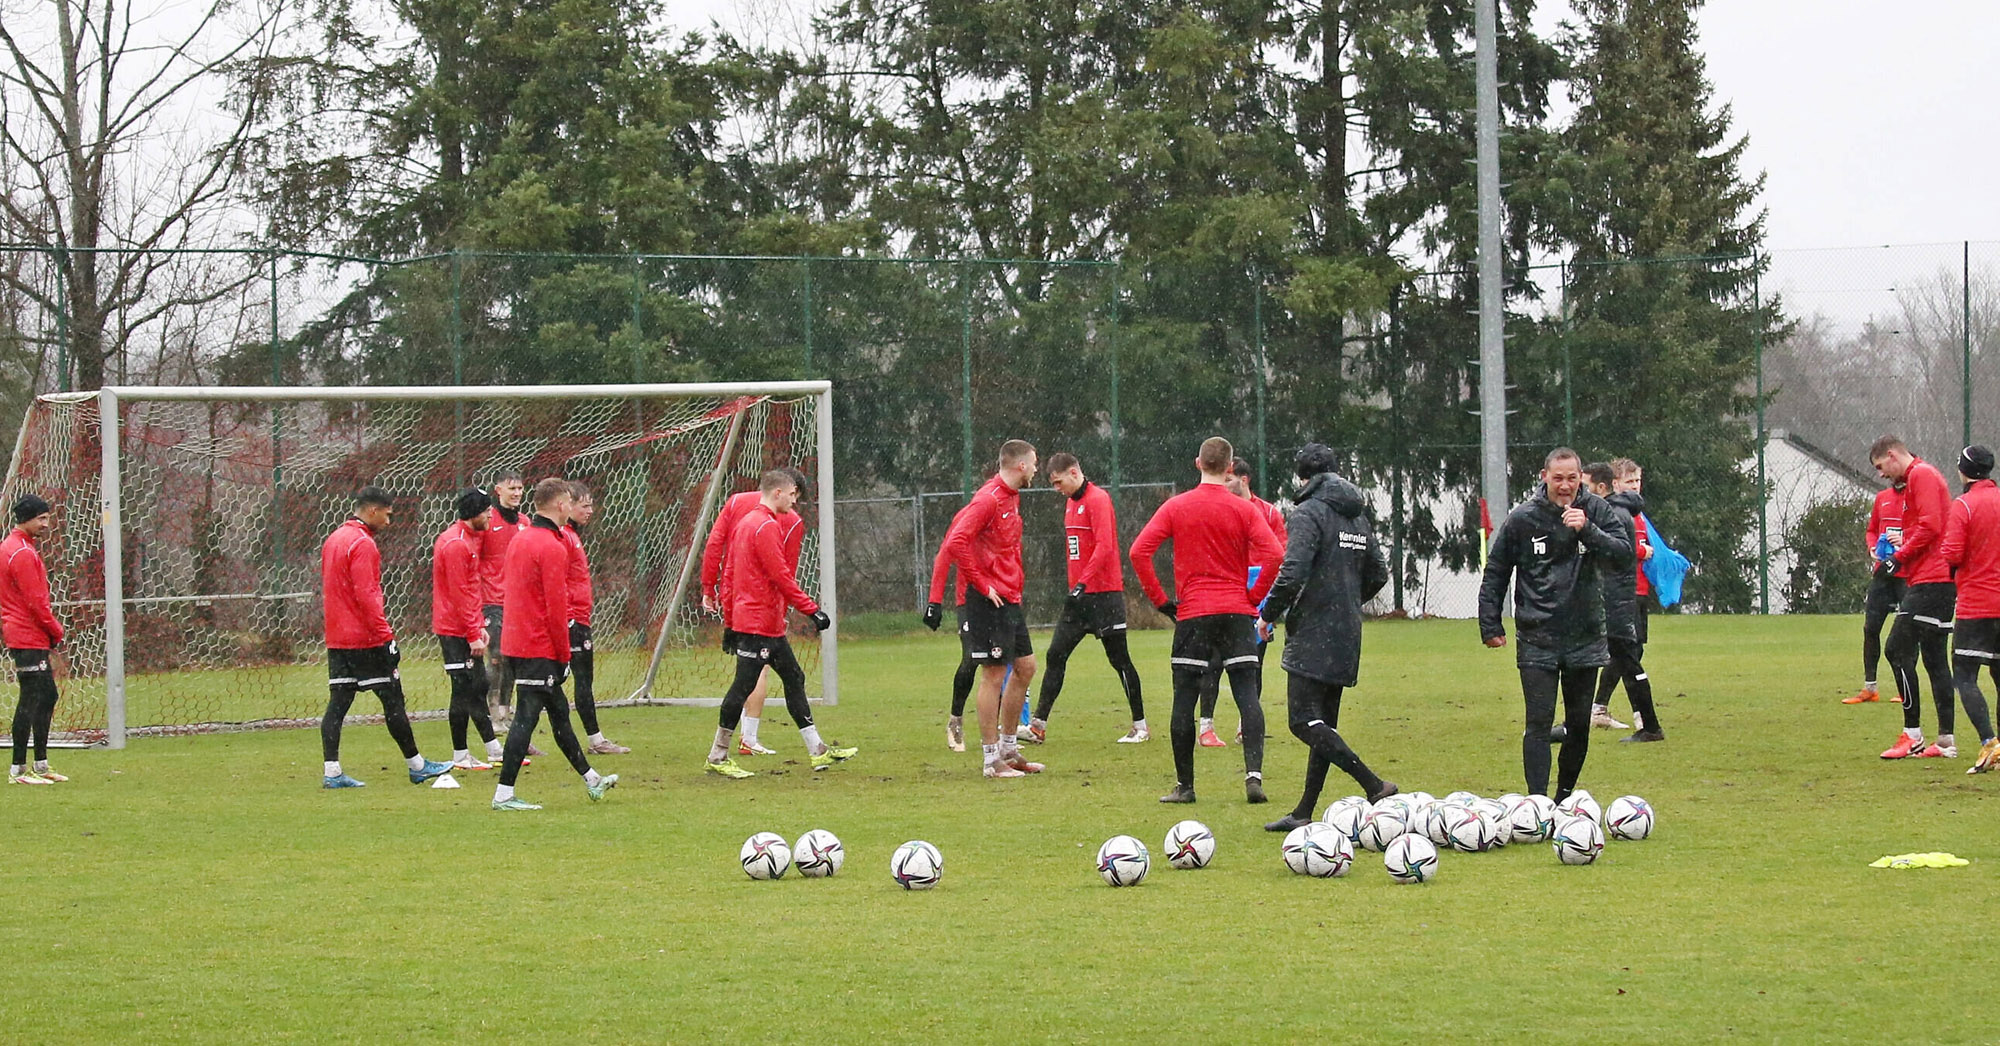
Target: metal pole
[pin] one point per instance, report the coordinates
(917, 548)
(638, 320)
(457, 327)
(965, 375)
(1117, 289)
(1257, 322)
(62, 320)
(114, 567)
(806, 307)
(1402, 448)
(1763, 487)
(1569, 383)
(1492, 299)
(829, 595)
(1965, 334)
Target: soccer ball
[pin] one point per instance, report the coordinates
(1533, 819)
(1347, 820)
(1629, 817)
(765, 856)
(1578, 840)
(1317, 850)
(1381, 825)
(1434, 822)
(1466, 829)
(1422, 799)
(1581, 802)
(1411, 859)
(1123, 861)
(1462, 798)
(818, 854)
(916, 865)
(1343, 803)
(1189, 845)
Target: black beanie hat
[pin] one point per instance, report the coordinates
(473, 502)
(28, 506)
(1975, 462)
(1313, 459)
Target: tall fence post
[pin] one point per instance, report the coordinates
(1965, 333)
(965, 374)
(1257, 332)
(806, 308)
(1117, 289)
(62, 319)
(1401, 445)
(1763, 487)
(1569, 386)
(638, 318)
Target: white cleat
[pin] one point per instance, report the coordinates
(1600, 717)
(1136, 736)
(471, 762)
(1002, 770)
(954, 733)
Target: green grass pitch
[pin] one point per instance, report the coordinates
(206, 889)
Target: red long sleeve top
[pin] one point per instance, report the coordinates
(1926, 503)
(1971, 544)
(1217, 538)
(1090, 541)
(27, 621)
(760, 581)
(537, 594)
(350, 576)
(984, 543)
(455, 605)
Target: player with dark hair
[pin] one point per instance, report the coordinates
(537, 646)
(1238, 482)
(1923, 618)
(1550, 547)
(1332, 566)
(984, 543)
(1625, 604)
(28, 623)
(1096, 603)
(582, 655)
(1885, 590)
(504, 521)
(361, 649)
(716, 601)
(460, 627)
(1972, 546)
(1217, 538)
(961, 680)
(760, 582)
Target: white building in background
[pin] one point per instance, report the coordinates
(1801, 476)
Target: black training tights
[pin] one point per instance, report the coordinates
(1871, 641)
(1908, 638)
(34, 713)
(583, 669)
(1246, 683)
(529, 703)
(1967, 677)
(1626, 664)
(394, 716)
(1314, 710)
(1211, 688)
(1538, 687)
(1115, 651)
(748, 668)
(961, 685)
(468, 703)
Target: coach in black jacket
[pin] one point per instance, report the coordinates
(1332, 566)
(1554, 548)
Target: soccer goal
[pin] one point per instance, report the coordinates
(184, 561)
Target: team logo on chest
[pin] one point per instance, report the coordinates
(1541, 544)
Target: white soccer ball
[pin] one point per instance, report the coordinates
(1435, 818)
(1411, 859)
(1123, 861)
(1629, 817)
(1422, 798)
(1578, 840)
(916, 865)
(1466, 829)
(818, 854)
(1317, 850)
(1580, 802)
(1382, 825)
(1533, 820)
(1508, 799)
(765, 856)
(1342, 803)
(1189, 845)
(1462, 798)
(1347, 820)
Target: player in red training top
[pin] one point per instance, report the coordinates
(961, 680)
(361, 649)
(460, 627)
(1217, 538)
(1238, 482)
(714, 600)
(1923, 619)
(1096, 603)
(536, 645)
(28, 621)
(1885, 590)
(761, 586)
(503, 522)
(582, 652)
(1972, 547)
(984, 543)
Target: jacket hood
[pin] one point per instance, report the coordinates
(1340, 495)
(1629, 500)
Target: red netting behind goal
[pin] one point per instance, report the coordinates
(224, 504)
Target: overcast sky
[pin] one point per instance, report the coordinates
(1874, 121)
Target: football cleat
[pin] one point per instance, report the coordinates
(1015, 760)
(1288, 822)
(954, 734)
(47, 774)
(1905, 747)
(1209, 740)
(745, 746)
(1034, 735)
(1136, 736)
(342, 781)
(1862, 697)
(833, 755)
(29, 777)
(513, 803)
(1989, 757)
(432, 768)
(1002, 770)
(604, 784)
(1253, 789)
(1642, 736)
(728, 768)
(1181, 794)
(471, 762)
(607, 747)
(1600, 717)
(1937, 751)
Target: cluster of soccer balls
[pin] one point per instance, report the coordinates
(916, 865)
(1408, 832)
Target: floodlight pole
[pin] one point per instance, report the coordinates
(1492, 300)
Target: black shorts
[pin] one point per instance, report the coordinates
(370, 669)
(1215, 642)
(1930, 604)
(1091, 614)
(494, 616)
(1884, 593)
(457, 651)
(1641, 623)
(538, 671)
(760, 648)
(30, 662)
(1977, 638)
(994, 635)
(579, 640)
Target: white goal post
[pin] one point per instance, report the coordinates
(184, 560)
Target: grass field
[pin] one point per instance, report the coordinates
(206, 889)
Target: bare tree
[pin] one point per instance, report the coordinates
(126, 134)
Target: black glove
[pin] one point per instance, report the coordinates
(1886, 567)
(821, 621)
(728, 642)
(933, 616)
(1171, 608)
(1077, 592)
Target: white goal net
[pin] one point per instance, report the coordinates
(184, 561)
